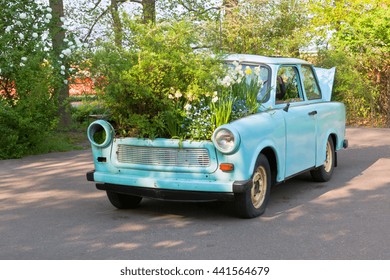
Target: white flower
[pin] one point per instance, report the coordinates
(18, 23)
(35, 35)
(238, 68)
(49, 16)
(78, 42)
(23, 16)
(49, 9)
(257, 70)
(178, 94)
(65, 82)
(61, 55)
(215, 99)
(62, 67)
(0, 70)
(67, 52)
(45, 35)
(65, 26)
(240, 73)
(187, 107)
(21, 36)
(170, 96)
(62, 19)
(22, 64)
(35, 26)
(8, 29)
(47, 20)
(227, 81)
(24, 58)
(62, 72)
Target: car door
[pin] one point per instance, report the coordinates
(300, 120)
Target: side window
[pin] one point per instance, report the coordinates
(309, 82)
(287, 85)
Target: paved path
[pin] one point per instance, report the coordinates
(49, 211)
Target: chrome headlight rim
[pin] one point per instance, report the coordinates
(223, 132)
(98, 126)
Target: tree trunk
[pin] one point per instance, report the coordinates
(229, 6)
(149, 11)
(57, 34)
(117, 23)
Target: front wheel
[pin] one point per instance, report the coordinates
(325, 171)
(123, 201)
(254, 200)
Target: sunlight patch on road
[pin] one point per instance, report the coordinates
(168, 244)
(130, 227)
(369, 181)
(126, 246)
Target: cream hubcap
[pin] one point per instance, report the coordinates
(329, 158)
(259, 187)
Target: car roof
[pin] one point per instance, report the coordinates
(264, 59)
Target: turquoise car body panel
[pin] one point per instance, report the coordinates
(295, 134)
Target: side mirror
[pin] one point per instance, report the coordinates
(286, 107)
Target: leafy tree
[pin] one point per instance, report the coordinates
(264, 27)
(29, 74)
(27, 106)
(360, 30)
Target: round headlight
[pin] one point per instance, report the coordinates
(100, 133)
(226, 141)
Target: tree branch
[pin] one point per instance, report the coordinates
(95, 22)
(197, 12)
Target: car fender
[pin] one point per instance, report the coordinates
(265, 130)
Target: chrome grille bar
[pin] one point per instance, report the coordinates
(189, 157)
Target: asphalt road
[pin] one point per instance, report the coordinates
(49, 211)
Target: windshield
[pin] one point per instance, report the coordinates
(261, 72)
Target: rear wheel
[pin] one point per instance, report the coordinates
(325, 171)
(123, 201)
(254, 200)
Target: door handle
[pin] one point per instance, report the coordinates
(312, 113)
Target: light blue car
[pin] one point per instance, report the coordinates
(297, 129)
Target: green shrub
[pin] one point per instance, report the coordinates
(24, 127)
(149, 83)
(352, 88)
(163, 86)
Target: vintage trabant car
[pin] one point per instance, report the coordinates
(297, 129)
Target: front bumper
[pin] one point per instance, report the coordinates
(184, 190)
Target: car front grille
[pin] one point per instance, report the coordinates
(179, 157)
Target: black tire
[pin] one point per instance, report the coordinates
(325, 171)
(253, 202)
(123, 201)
